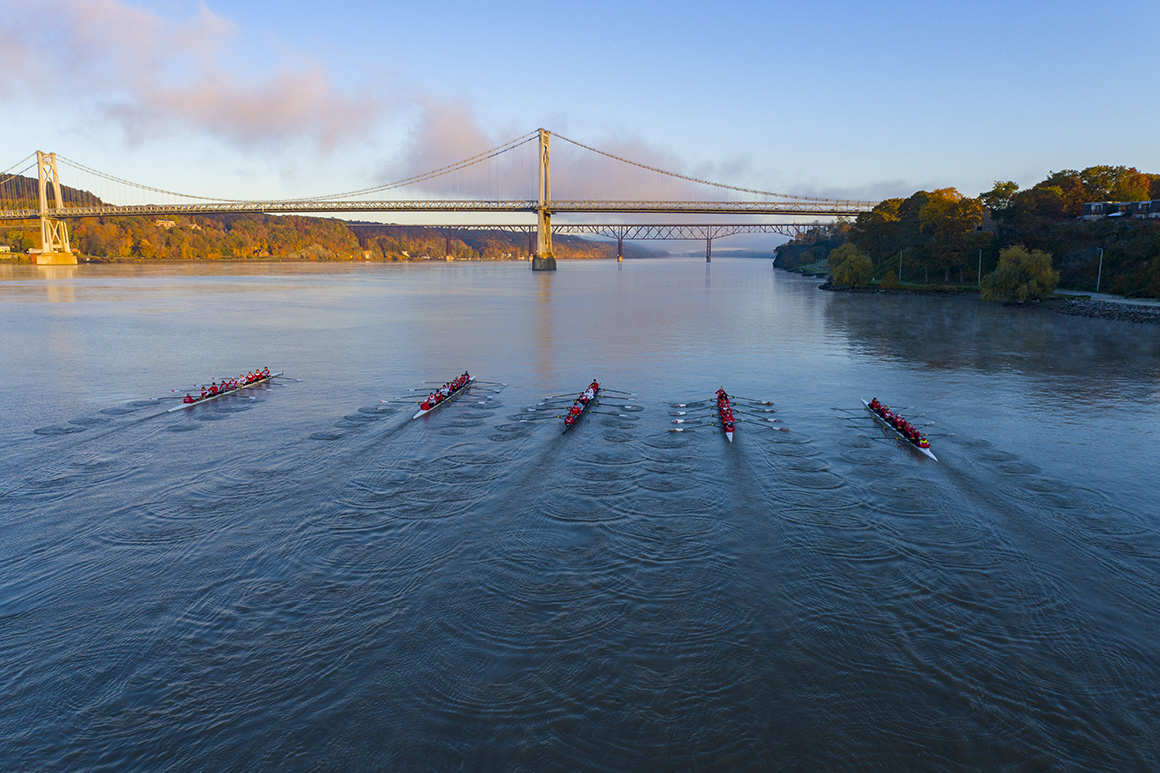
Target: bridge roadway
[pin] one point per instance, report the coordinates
(784, 208)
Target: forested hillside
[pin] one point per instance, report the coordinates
(941, 235)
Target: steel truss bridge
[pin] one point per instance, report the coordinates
(457, 188)
(705, 232)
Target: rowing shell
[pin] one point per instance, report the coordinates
(583, 409)
(894, 429)
(721, 415)
(207, 398)
(445, 400)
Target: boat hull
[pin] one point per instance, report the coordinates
(446, 400)
(583, 411)
(183, 406)
(924, 451)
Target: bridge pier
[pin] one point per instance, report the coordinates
(55, 249)
(620, 248)
(544, 258)
(708, 249)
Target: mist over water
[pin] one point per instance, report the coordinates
(300, 576)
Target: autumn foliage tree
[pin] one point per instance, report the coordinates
(1021, 275)
(849, 266)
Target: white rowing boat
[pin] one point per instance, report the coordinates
(454, 393)
(207, 398)
(892, 428)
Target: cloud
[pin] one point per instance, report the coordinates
(446, 132)
(150, 74)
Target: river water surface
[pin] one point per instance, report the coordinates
(301, 577)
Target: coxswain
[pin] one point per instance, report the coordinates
(189, 399)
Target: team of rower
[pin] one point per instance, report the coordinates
(228, 385)
(585, 397)
(899, 423)
(725, 410)
(445, 391)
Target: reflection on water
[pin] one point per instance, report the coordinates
(302, 573)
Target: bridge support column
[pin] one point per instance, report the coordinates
(54, 243)
(708, 249)
(544, 258)
(620, 248)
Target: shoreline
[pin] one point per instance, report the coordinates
(1118, 311)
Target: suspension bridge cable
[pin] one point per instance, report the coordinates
(707, 182)
(13, 175)
(486, 155)
(140, 187)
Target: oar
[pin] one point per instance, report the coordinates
(607, 413)
(760, 426)
(495, 383)
(751, 400)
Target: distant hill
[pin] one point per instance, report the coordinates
(293, 237)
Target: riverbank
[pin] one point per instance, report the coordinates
(1081, 306)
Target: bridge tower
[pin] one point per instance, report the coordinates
(544, 258)
(54, 244)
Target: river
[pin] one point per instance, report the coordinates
(302, 577)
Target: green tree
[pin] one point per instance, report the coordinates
(850, 267)
(1115, 183)
(1020, 275)
(999, 197)
(876, 232)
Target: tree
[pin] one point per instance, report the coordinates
(1072, 191)
(849, 266)
(999, 197)
(876, 232)
(949, 221)
(1115, 183)
(1020, 275)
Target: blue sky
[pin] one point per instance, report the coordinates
(860, 99)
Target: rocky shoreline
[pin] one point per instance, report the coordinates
(1074, 307)
(1121, 312)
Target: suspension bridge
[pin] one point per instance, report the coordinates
(516, 177)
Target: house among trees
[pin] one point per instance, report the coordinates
(1099, 210)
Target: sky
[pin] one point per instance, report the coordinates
(841, 98)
